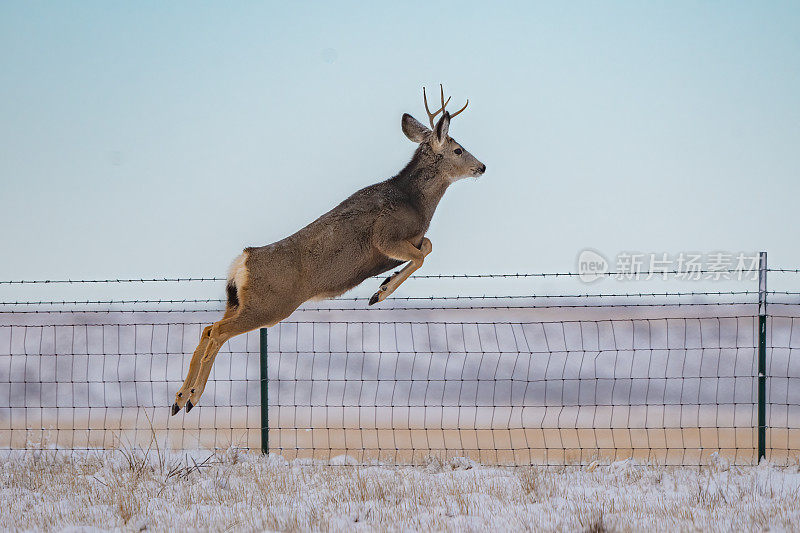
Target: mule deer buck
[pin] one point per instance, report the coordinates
(375, 230)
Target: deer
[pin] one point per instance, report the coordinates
(377, 229)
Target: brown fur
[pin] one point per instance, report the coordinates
(375, 230)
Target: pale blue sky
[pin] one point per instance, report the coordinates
(160, 138)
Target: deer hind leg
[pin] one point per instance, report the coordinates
(402, 251)
(218, 334)
(246, 320)
(194, 366)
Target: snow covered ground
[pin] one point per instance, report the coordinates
(133, 491)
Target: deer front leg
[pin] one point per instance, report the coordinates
(402, 251)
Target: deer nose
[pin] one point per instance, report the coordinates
(483, 169)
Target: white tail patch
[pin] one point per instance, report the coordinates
(237, 273)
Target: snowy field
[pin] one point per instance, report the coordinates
(231, 491)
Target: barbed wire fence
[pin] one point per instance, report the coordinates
(511, 379)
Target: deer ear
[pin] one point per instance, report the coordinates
(414, 130)
(442, 127)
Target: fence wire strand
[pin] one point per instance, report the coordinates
(620, 274)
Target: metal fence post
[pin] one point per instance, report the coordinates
(264, 391)
(762, 355)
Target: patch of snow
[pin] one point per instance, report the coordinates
(343, 460)
(462, 463)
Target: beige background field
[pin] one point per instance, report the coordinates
(388, 439)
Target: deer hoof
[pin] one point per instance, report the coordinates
(378, 296)
(189, 406)
(175, 409)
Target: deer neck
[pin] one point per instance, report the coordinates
(424, 182)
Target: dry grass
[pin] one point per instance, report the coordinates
(132, 490)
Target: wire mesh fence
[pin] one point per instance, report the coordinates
(518, 379)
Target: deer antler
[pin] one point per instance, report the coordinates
(432, 116)
(452, 115)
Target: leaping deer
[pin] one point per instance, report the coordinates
(375, 230)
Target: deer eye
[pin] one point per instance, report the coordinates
(457, 151)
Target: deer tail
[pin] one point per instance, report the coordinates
(237, 277)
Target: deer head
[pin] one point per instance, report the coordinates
(452, 160)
